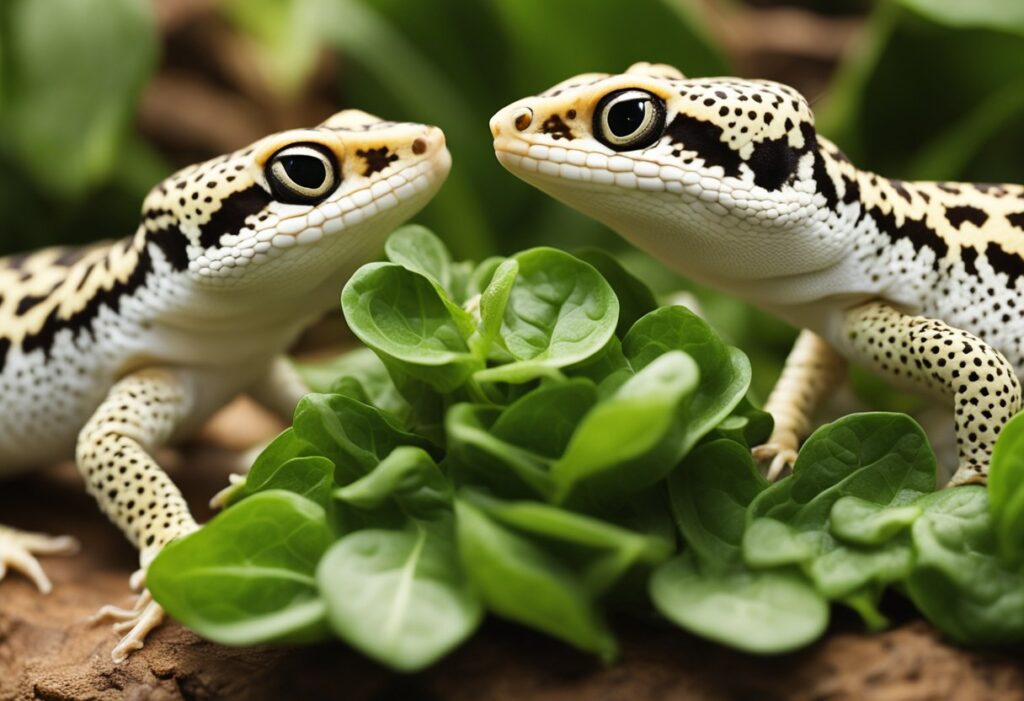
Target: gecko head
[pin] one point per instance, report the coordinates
(296, 208)
(715, 175)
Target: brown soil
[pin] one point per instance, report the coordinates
(48, 650)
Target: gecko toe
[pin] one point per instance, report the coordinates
(18, 552)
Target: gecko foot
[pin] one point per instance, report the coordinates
(779, 456)
(132, 624)
(18, 550)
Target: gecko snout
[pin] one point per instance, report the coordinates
(510, 120)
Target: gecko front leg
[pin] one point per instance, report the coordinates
(813, 368)
(944, 361)
(140, 413)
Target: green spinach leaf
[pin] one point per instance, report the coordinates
(633, 439)
(1006, 488)
(247, 576)
(520, 580)
(959, 581)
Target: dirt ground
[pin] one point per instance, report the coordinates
(48, 650)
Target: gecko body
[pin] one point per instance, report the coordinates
(110, 351)
(727, 181)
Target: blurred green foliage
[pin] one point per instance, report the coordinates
(934, 90)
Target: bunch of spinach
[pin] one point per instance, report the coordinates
(532, 436)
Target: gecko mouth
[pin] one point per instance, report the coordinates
(576, 165)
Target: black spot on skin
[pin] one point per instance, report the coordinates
(990, 189)
(969, 255)
(918, 232)
(840, 156)
(5, 346)
(28, 302)
(377, 159)
(16, 261)
(851, 193)
(1017, 220)
(173, 243)
(705, 139)
(1002, 262)
(825, 185)
(558, 129)
(901, 189)
(231, 216)
(773, 163)
(965, 213)
(70, 256)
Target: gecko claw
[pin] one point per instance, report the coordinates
(18, 550)
(134, 623)
(780, 456)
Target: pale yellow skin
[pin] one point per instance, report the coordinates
(110, 352)
(731, 186)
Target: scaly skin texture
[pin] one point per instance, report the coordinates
(730, 184)
(113, 350)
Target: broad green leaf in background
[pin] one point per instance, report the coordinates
(73, 70)
(407, 84)
(247, 577)
(287, 36)
(959, 581)
(971, 88)
(401, 315)
(1007, 15)
(519, 580)
(1006, 488)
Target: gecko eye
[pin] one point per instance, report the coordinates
(629, 119)
(302, 173)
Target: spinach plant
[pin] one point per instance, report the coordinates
(534, 438)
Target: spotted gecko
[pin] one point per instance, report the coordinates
(727, 181)
(110, 351)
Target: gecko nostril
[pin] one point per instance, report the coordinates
(523, 119)
(419, 146)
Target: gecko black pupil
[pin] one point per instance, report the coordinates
(625, 117)
(307, 171)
